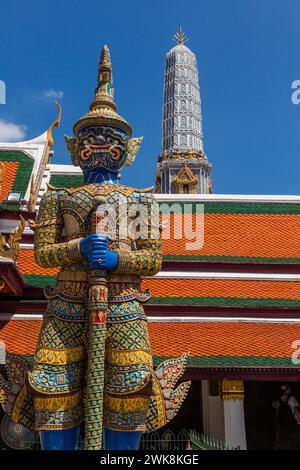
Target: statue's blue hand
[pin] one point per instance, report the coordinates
(104, 259)
(93, 243)
(94, 248)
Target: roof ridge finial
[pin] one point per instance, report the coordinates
(180, 36)
(56, 123)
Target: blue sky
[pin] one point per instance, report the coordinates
(248, 57)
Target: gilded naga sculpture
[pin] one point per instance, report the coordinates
(93, 362)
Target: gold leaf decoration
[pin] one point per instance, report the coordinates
(10, 248)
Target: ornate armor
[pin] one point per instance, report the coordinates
(57, 377)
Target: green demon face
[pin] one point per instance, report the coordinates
(101, 146)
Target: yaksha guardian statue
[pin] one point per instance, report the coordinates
(93, 363)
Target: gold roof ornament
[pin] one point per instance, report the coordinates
(32, 195)
(36, 180)
(56, 123)
(232, 389)
(11, 247)
(180, 36)
(103, 108)
(133, 146)
(185, 177)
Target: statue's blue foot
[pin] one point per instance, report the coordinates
(65, 439)
(121, 440)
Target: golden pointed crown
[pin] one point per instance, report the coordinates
(103, 108)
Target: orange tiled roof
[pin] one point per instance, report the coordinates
(10, 171)
(27, 264)
(20, 336)
(161, 287)
(243, 235)
(223, 338)
(218, 343)
(226, 236)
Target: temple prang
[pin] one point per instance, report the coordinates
(182, 137)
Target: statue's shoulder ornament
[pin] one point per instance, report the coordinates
(70, 190)
(50, 187)
(108, 189)
(138, 195)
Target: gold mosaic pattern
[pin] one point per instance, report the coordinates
(120, 358)
(58, 356)
(59, 334)
(57, 403)
(126, 336)
(48, 251)
(125, 414)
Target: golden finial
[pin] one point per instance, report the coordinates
(105, 67)
(104, 93)
(55, 124)
(180, 36)
(103, 108)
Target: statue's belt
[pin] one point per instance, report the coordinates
(120, 288)
(82, 276)
(72, 276)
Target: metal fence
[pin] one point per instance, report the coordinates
(168, 440)
(183, 440)
(202, 442)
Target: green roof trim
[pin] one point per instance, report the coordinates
(9, 207)
(24, 170)
(39, 280)
(223, 361)
(225, 301)
(234, 361)
(229, 207)
(66, 181)
(230, 259)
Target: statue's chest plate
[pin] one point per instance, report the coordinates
(77, 209)
(77, 205)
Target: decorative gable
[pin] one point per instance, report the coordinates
(16, 168)
(185, 181)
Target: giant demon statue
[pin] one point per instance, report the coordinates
(93, 363)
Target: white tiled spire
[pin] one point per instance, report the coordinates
(182, 121)
(182, 165)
